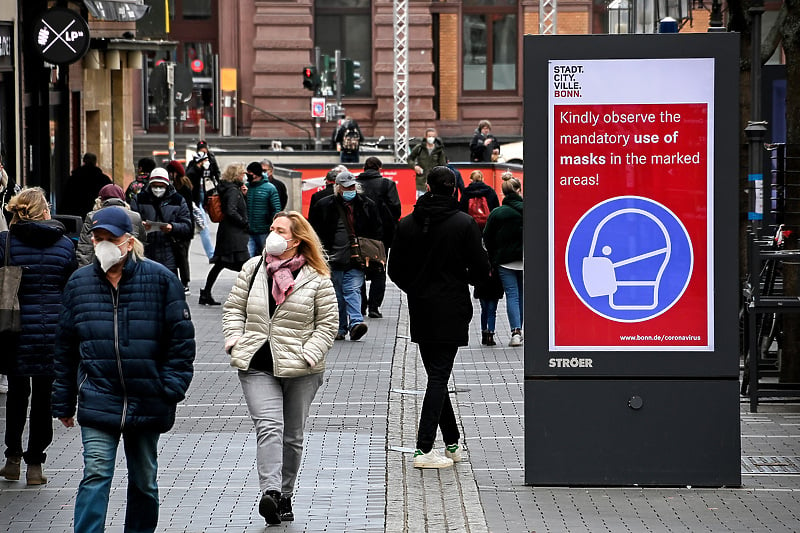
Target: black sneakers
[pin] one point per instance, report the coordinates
(285, 509)
(268, 507)
(358, 331)
(375, 313)
(206, 298)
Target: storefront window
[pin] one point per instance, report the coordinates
(490, 45)
(196, 9)
(346, 25)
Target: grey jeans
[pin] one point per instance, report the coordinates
(279, 409)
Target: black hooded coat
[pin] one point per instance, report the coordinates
(436, 254)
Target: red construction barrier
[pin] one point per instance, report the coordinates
(405, 179)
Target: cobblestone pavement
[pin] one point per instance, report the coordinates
(357, 475)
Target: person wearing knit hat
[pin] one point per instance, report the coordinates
(110, 195)
(112, 190)
(166, 218)
(263, 203)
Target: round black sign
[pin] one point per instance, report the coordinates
(61, 36)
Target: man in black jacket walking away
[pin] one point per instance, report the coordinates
(436, 254)
(383, 192)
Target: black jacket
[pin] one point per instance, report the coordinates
(319, 195)
(81, 190)
(232, 236)
(326, 215)
(383, 192)
(437, 254)
(480, 152)
(478, 189)
(170, 208)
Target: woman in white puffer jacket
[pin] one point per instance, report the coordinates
(279, 321)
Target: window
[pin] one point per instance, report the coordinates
(346, 25)
(196, 9)
(490, 45)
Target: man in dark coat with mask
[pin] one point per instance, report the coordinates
(165, 216)
(436, 254)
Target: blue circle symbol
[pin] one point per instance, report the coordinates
(629, 259)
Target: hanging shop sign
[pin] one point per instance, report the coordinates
(6, 47)
(61, 36)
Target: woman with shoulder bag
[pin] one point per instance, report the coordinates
(232, 238)
(279, 321)
(38, 244)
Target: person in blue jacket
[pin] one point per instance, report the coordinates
(124, 356)
(36, 243)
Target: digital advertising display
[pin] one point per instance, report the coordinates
(630, 204)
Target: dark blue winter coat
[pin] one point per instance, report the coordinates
(48, 258)
(124, 355)
(170, 208)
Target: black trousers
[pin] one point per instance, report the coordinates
(377, 289)
(40, 428)
(180, 249)
(437, 411)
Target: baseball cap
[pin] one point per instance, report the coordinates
(115, 220)
(159, 175)
(345, 179)
(111, 190)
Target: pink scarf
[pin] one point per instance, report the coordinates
(280, 270)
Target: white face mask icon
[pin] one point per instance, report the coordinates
(600, 274)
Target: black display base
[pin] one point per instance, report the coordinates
(641, 432)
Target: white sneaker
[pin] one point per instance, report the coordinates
(3, 384)
(432, 459)
(516, 338)
(453, 451)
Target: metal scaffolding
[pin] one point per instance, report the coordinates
(400, 12)
(547, 17)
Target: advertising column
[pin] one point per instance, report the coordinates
(631, 377)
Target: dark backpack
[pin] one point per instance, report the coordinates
(350, 140)
(479, 210)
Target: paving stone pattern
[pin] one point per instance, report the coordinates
(357, 472)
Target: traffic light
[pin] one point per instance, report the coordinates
(352, 76)
(328, 75)
(311, 79)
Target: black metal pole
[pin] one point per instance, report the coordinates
(756, 128)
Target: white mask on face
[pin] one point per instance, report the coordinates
(275, 244)
(109, 254)
(158, 192)
(431, 140)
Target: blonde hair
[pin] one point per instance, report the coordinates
(28, 204)
(483, 124)
(476, 175)
(138, 248)
(232, 172)
(310, 246)
(511, 185)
